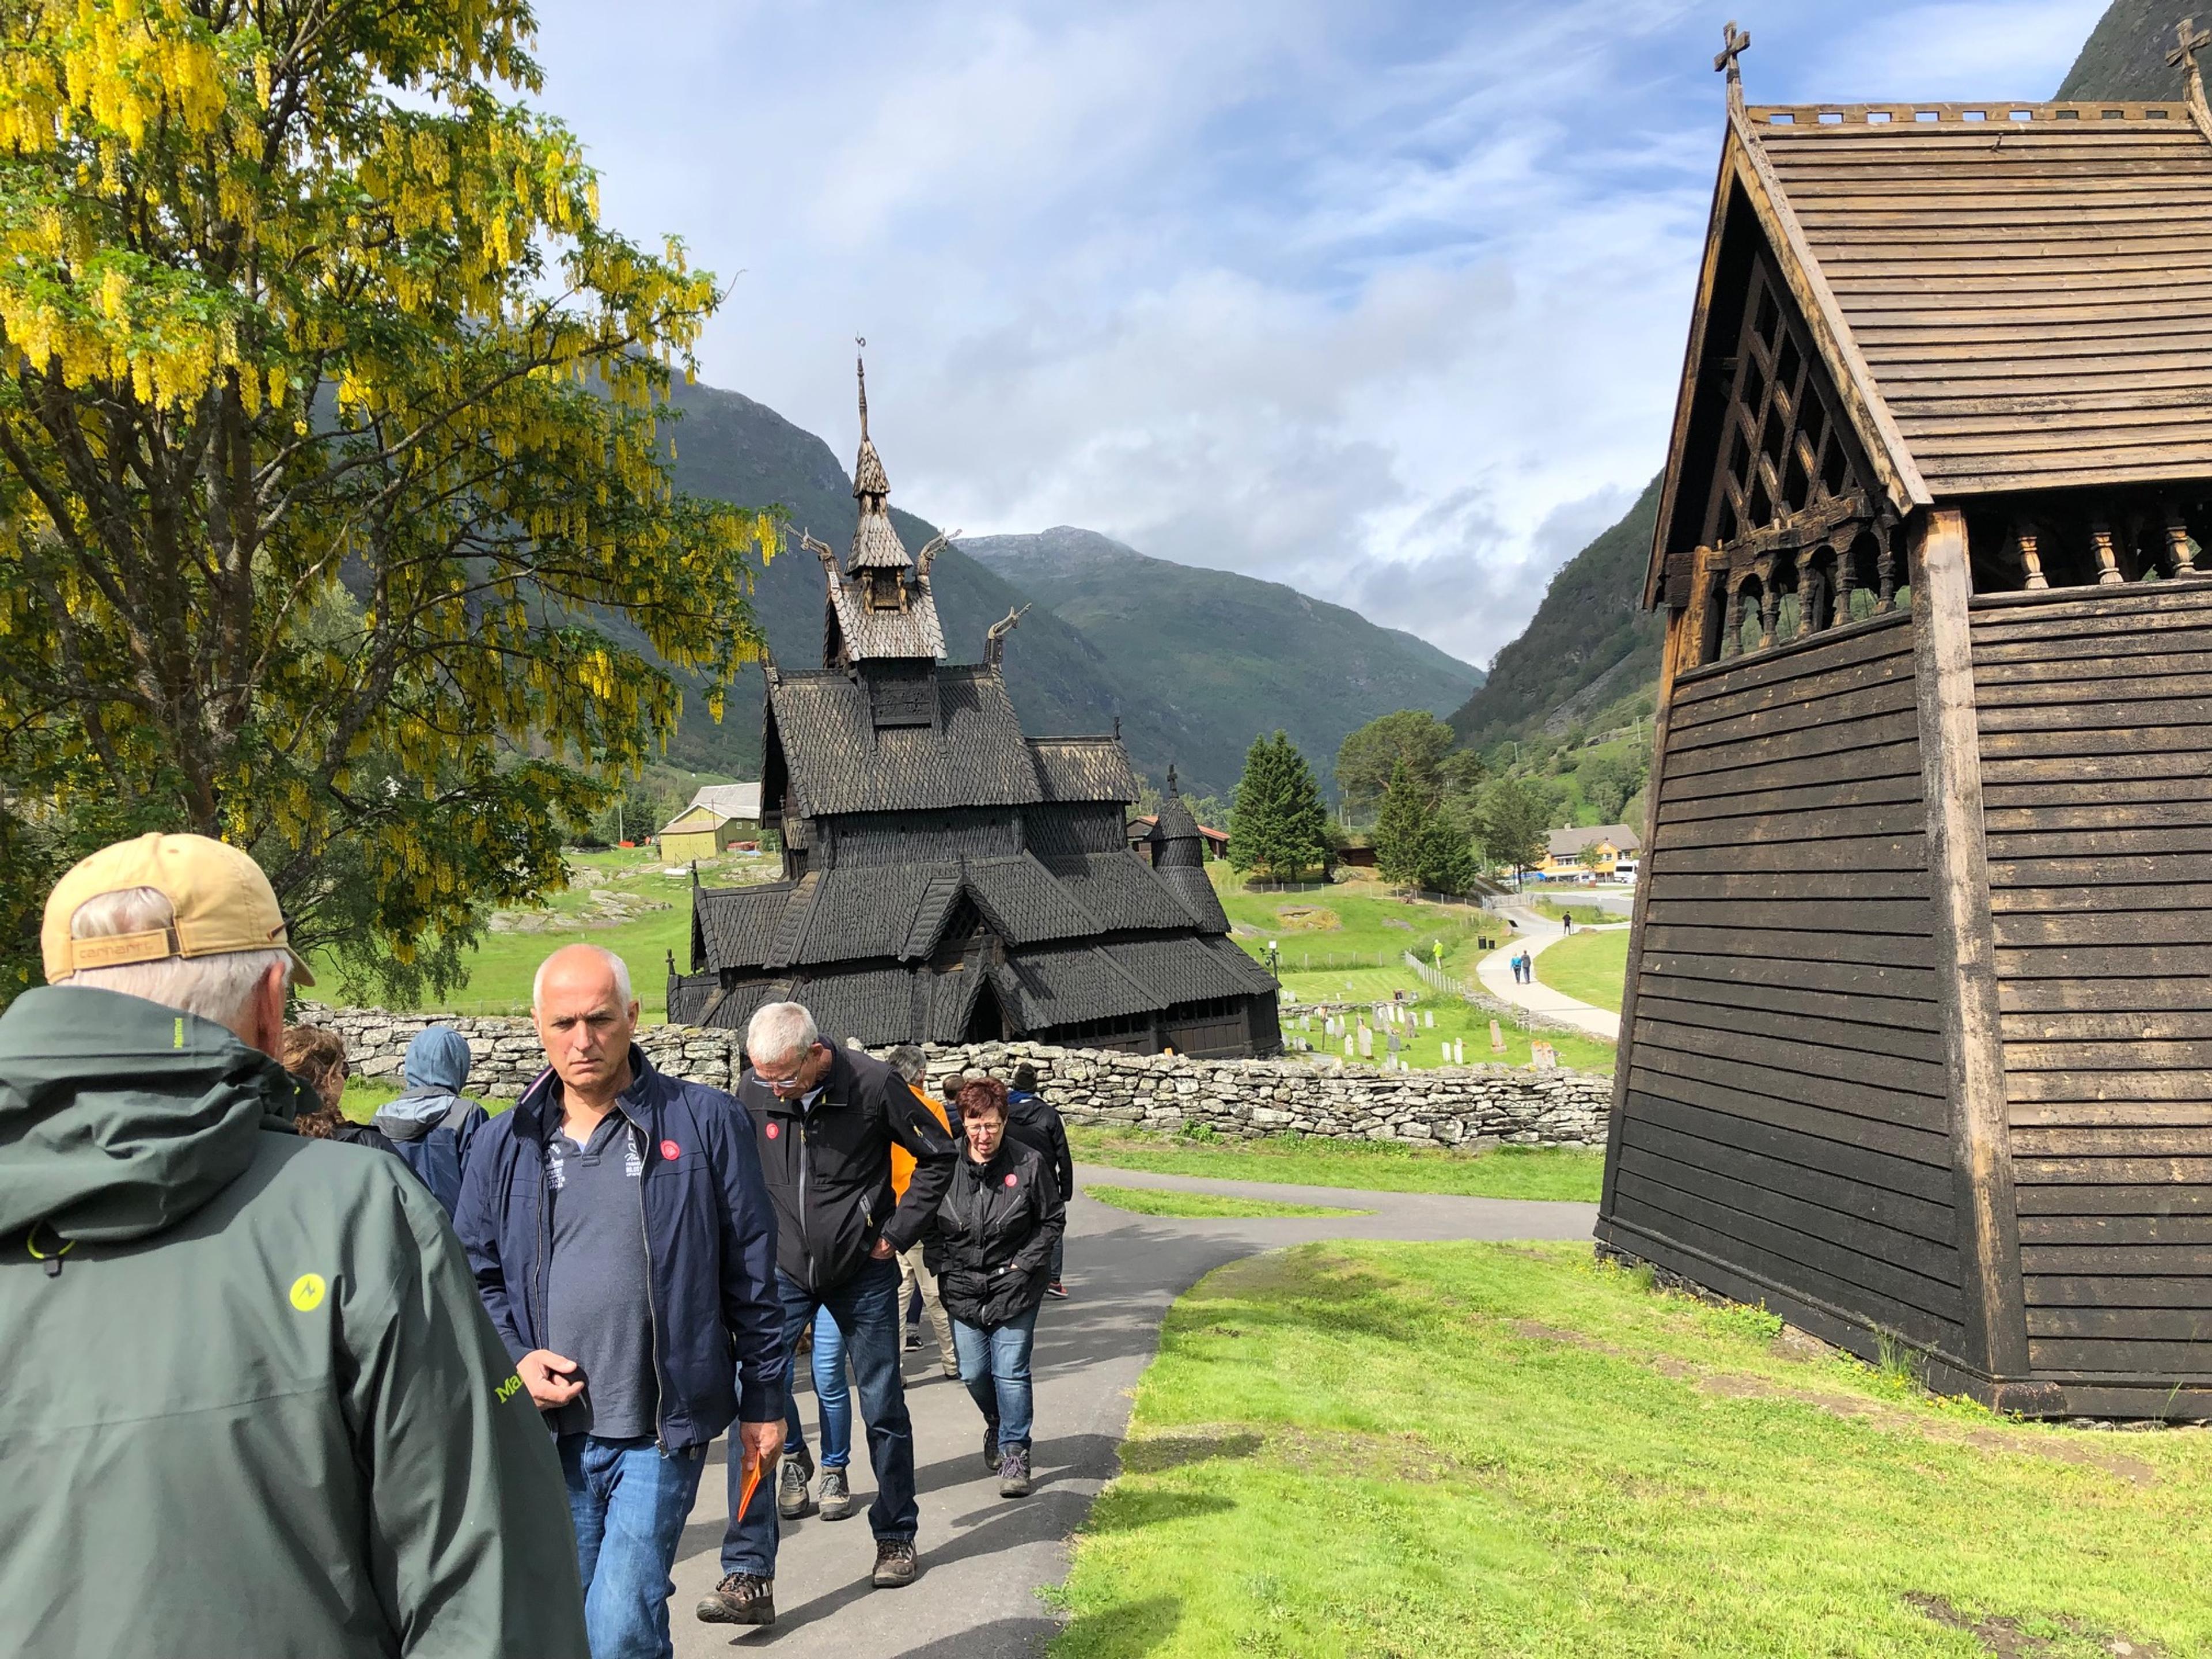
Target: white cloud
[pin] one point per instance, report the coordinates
(1385, 300)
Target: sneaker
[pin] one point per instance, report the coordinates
(913, 1338)
(836, 1498)
(793, 1500)
(741, 1598)
(896, 1566)
(1014, 1474)
(952, 1372)
(991, 1445)
(1056, 1291)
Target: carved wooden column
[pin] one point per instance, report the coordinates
(1847, 581)
(2031, 559)
(2177, 544)
(2108, 563)
(1995, 1319)
(1885, 579)
(1732, 624)
(1769, 606)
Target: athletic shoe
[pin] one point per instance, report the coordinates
(1014, 1474)
(1056, 1291)
(991, 1445)
(896, 1566)
(741, 1598)
(952, 1373)
(912, 1337)
(836, 1498)
(793, 1500)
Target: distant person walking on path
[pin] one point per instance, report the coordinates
(826, 1118)
(316, 1055)
(253, 1404)
(995, 1231)
(1033, 1120)
(432, 1123)
(624, 1246)
(914, 1278)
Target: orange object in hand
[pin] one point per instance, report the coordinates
(746, 1492)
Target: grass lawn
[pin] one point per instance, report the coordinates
(1582, 916)
(1375, 1166)
(1587, 967)
(1485, 1450)
(1149, 1200)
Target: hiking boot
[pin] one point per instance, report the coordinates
(836, 1498)
(1056, 1291)
(991, 1445)
(741, 1598)
(791, 1498)
(1014, 1474)
(896, 1567)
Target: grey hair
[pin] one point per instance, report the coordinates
(779, 1030)
(907, 1061)
(217, 987)
(614, 964)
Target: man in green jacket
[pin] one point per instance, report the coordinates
(251, 1403)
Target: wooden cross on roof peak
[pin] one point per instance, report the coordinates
(2187, 39)
(1734, 42)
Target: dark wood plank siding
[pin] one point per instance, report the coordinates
(1785, 1112)
(2096, 732)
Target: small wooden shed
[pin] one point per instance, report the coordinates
(719, 815)
(1918, 1031)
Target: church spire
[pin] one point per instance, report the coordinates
(869, 484)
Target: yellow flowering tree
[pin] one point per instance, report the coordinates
(331, 419)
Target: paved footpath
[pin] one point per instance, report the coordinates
(1538, 935)
(982, 1557)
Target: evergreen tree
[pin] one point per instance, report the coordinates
(1276, 828)
(1515, 812)
(1401, 831)
(1447, 862)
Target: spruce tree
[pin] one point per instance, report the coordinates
(1275, 830)
(1400, 832)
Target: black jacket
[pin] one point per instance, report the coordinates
(993, 1251)
(1035, 1121)
(829, 1170)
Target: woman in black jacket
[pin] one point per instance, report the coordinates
(993, 1256)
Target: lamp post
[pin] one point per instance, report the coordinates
(1275, 961)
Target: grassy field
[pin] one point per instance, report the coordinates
(1588, 967)
(607, 905)
(1150, 1200)
(1346, 943)
(1375, 1166)
(1507, 1449)
(1582, 916)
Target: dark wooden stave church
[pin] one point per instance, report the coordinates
(946, 878)
(1917, 1030)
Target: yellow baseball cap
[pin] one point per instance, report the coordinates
(223, 903)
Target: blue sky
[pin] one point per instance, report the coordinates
(1383, 300)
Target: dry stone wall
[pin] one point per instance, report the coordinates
(1470, 1105)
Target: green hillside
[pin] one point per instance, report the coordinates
(1230, 655)
(1590, 643)
(2124, 56)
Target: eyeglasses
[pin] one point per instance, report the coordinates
(794, 1084)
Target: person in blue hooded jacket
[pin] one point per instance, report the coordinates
(433, 1124)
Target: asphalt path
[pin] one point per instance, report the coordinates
(984, 1556)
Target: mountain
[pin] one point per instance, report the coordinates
(2124, 56)
(1590, 643)
(731, 448)
(1232, 656)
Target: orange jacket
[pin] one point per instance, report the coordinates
(901, 1159)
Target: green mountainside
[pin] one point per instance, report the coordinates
(2124, 56)
(1231, 655)
(1590, 645)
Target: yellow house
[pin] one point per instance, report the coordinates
(718, 815)
(1609, 842)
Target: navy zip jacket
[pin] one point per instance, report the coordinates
(710, 1238)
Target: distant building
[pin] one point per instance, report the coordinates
(946, 878)
(1146, 836)
(1564, 849)
(719, 815)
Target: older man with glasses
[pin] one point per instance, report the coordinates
(825, 1119)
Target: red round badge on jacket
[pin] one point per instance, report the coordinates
(1010, 1181)
(771, 1131)
(670, 1150)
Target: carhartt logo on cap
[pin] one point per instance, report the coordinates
(220, 903)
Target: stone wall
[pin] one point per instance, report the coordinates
(1464, 1105)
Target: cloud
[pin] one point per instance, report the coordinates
(1386, 300)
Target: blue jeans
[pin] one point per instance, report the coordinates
(866, 1311)
(833, 1397)
(1059, 1254)
(629, 1503)
(995, 1366)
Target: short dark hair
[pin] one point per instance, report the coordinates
(982, 1094)
(1025, 1078)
